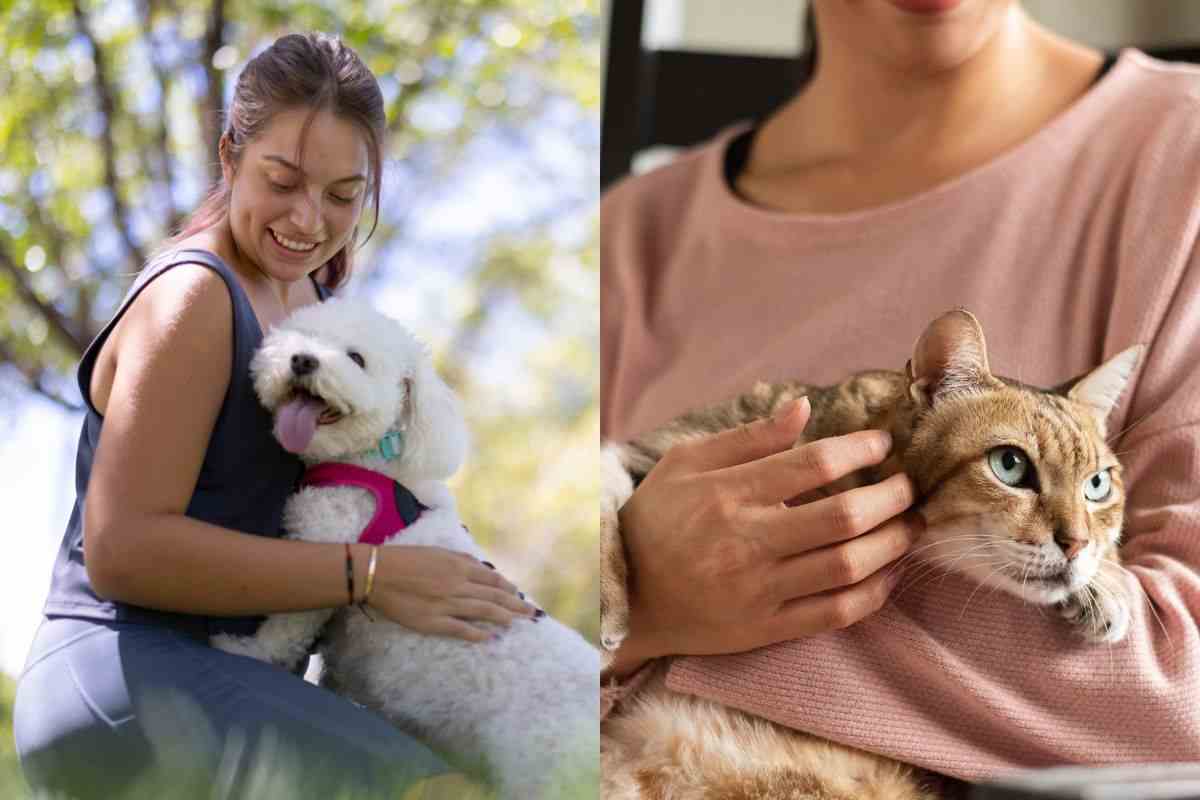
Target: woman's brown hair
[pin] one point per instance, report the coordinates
(315, 71)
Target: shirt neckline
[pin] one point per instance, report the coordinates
(903, 211)
(242, 290)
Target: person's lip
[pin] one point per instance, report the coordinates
(292, 254)
(301, 239)
(926, 6)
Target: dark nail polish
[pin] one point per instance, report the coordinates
(539, 614)
(488, 564)
(521, 595)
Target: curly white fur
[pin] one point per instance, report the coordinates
(519, 711)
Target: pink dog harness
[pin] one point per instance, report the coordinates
(395, 506)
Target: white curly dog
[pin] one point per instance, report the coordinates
(348, 384)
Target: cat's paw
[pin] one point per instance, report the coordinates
(614, 597)
(612, 634)
(614, 592)
(1101, 617)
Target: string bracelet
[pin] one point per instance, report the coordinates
(349, 575)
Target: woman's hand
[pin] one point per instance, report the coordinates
(440, 592)
(720, 564)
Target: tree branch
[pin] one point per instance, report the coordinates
(58, 323)
(107, 145)
(440, 21)
(33, 380)
(84, 325)
(213, 104)
(162, 135)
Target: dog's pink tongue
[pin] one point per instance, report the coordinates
(296, 422)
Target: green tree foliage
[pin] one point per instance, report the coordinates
(110, 111)
(11, 784)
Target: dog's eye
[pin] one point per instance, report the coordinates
(357, 359)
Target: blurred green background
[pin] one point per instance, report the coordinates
(110, 112)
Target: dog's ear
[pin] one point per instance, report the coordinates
(435, 435)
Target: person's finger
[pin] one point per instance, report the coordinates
(844, 564)
(498, 597)
(808, 616)
(472, 610)
(782, 476)
(791, 531)
(490, 576)
(748, 442)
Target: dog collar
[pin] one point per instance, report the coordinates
(395, 506)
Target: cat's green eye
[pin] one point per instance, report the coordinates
(1098, 487)
(1010, 465)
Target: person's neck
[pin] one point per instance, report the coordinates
(252, 276)
(860, 110)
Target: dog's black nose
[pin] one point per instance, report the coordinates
(303, 364)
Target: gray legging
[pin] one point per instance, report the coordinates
(109, 709)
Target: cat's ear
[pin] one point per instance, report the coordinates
(1102, 387)
(950, 356)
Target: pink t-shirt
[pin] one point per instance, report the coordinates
(1070, 247)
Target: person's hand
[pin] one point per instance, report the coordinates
(719, 563)
(440, 592)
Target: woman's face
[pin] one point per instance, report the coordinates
(910, 35)
(312, 206)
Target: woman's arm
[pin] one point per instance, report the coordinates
(173, 364)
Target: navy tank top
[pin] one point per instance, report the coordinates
(243, 483)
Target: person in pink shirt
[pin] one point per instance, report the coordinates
(944, 153)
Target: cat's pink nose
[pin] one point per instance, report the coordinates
(1071, 545)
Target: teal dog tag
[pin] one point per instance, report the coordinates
(391, 445)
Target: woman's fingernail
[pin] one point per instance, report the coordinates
(539, 614)
(488, 564)
(521, 595)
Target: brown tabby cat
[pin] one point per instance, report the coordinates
(1026, 467)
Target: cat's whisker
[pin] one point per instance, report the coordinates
(912, 553)
(941, 542)
(1162, 625)
(1000, 568)
(991, 590)
(934, 567)
(1101, 577)
(1093, 592)
(936, 560)
(1025, 577)
(1109, 441)
(934, 570)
